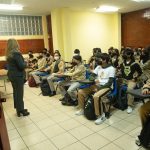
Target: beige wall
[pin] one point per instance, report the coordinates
(84, 30)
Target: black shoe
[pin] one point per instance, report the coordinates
(52, 93)
(69, 103)
(23, 113)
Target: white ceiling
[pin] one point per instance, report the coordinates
(41, 7)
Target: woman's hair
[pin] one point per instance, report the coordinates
(12, 46)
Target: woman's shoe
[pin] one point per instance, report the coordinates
(23, 113)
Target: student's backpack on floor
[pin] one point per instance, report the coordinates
(31, 82)
(144, 136)
(89, 110)
(44, 86)
(121, 100)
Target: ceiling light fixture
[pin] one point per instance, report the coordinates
(107, 9)
(10, 7)
(141, 0)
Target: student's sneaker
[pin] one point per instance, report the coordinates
(79, 112)
(137, 141)
(100, 120)
(129, 110)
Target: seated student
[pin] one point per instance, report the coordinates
(114, 58)
(91, 61)
(41, 65)
(57, 67)
(49, 59)
(144, 57)
(105, 75)
(78, 72)
(130, 71)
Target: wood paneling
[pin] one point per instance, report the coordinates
(135, 29)
(36, 45)
(49, 30)
(4, 140)
(3, 64)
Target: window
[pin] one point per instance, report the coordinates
(20, 25)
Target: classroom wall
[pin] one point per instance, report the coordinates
(135, 29)
(84, 30)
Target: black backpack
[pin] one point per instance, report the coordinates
(89, 110)
(144, 136)
(121, 100)
(45, 88)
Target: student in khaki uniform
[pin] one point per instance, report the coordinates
(16, 74)
(57, 67)
(78, 72)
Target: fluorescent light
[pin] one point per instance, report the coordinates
(107, 9)
(10, 7)
(141, 0)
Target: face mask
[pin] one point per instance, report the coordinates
(56, 57)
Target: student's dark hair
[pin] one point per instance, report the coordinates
(57, 53)
(47, 54)
(77, 51)
(45, 49)
(105, 56)
(34, 60)
(128, 51)
(77, 57)
(31, 56)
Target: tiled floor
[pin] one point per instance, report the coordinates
(52, 126)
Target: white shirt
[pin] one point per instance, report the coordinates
(104, 74)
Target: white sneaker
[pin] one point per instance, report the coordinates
(100, 120)
(129, 110)
(79, 112)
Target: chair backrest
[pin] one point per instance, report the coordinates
(87, 74)
(114, 90)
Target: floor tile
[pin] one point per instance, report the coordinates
(60, 117)
(17, 144)
(63, 140)
(28, 129)
(135, 132)
(126, 142)
(91, 125)
(111, 133)
(76, 146)
(95, 141)
(124, 126)
(121, 114)
(134, 119)
(13, 134)
(45, 145)
(53, 131)
(69, 124)
(112, 120)
(81, 132)
(34, 138)
(110, 147)
(45, 123)
(23, 121)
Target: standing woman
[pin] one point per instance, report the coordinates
(16, 74)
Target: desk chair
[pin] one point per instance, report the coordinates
(111, 98)
(137, 93)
